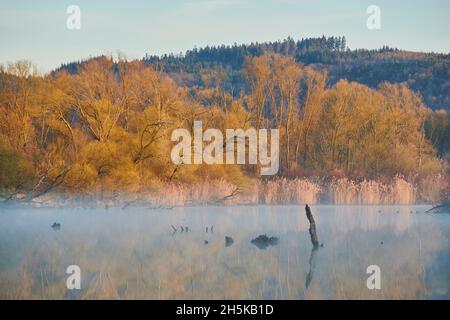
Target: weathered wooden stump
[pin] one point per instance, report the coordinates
(312, 227)
(314, 249)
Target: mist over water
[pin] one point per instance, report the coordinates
(135, 253)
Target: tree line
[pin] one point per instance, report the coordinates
(426, 73)
(105, 129)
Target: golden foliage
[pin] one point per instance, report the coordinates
(107, 128)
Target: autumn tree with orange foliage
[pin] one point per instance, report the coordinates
(105, 130)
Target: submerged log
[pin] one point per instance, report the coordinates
(263, 241)
(228, 241)
(56, 226)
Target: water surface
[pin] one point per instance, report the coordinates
(135, 253)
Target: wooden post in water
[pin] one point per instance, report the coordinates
(312, 227)
(314, 249)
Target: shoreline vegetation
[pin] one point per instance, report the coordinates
(101, 133)
(280, 191)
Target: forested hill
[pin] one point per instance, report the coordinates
(426, 73)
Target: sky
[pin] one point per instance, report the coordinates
(36, 30)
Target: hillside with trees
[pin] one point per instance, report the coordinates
(103, 126)
(426, 73)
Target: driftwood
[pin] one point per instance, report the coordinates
(230, 196)
(442, 208)
(38, 190)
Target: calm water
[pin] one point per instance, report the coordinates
(135, 253)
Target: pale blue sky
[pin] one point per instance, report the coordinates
(36, 29)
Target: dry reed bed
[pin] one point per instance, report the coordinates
(301, 191)
(274, 191)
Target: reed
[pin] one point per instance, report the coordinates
(314, 190)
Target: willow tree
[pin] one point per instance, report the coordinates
(311, 112)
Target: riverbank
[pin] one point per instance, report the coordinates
(340, 191)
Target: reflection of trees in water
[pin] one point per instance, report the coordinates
(139, 258)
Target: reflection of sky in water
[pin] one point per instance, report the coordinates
(133, 253)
